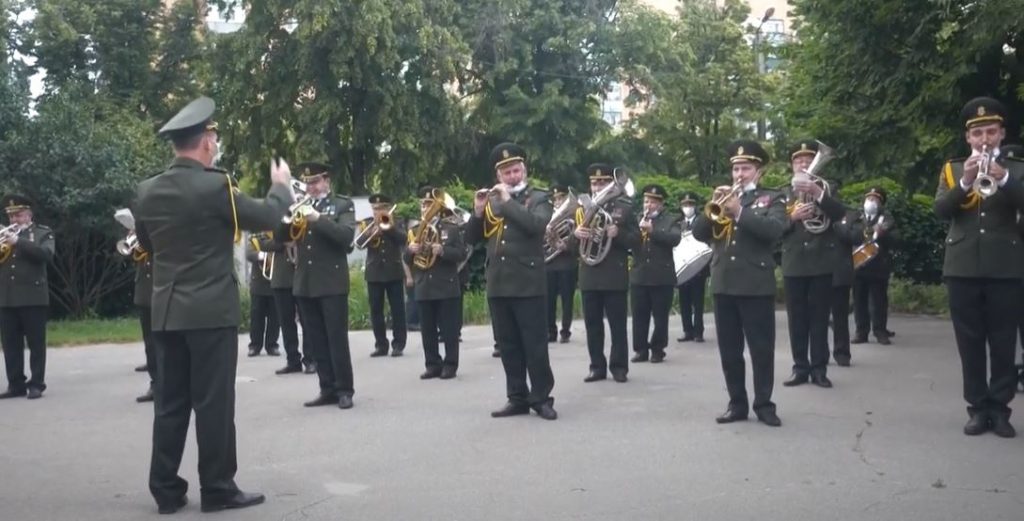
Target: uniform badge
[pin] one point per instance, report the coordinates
(763, 201)
(444, 235)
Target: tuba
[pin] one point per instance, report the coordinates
(818, 222)
(427, 233)
(373, 230)
(560, 227)
(7, 233)
(984, 183)
(595, 248)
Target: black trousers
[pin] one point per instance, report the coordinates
(808, 303)
(440, 318)
(841, 322)
(325, 324)
(263, 323)
(287, 308)
(561, 285)
(651, 302)
(20, 326)
(985, 313)
(873, 295)
(146, 322)
(739, 318)
(596, 306)
(691, 306)
(395, 292)
(518, 324)
(195, 372)
(412, 311)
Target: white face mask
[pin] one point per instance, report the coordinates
(518, 188)
(750, 187)
(218, 154)
(688, 211)
(870, 207)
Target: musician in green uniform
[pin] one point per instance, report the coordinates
(384, 275)
(561, 271)
(142, 298)
(691, 292)
(604, 277)
(264, 327)
(281, 252)
(810, 249)
(653, 277)
(984, 264)
(323, 233)
(511, 219)
(743, 230)
(871, 280)
(25, 249)
(434, 260)
(190, 217)
(850, 234)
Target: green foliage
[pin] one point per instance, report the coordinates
(923, 299)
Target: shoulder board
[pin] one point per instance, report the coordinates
(216, 170)
(1014, 159)
(537, 189)
(42, 227)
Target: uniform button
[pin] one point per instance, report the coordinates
(503, 241)
(983, 214)
(982, 230)
(732, 258)
(734, 243)
(503, 258)
(805, 244)
(505, 227)
(308, 247)
(309, 262)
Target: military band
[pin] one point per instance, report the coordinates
(983, 265)
(25, 249)
(142, 298)
(384, 274)
(562, 270)
(871, 280)
(653, 276)
(264, 326)
(849, 234)
(282, 251)
(691, 292)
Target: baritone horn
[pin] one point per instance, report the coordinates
(561, 226)
(596, 219)
(818, 222)
(427, 233)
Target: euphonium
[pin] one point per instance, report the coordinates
(560, 227)
(427, 233)
(819, 222)
(715, 209)
(595, 248)
(373, 230)
(984, 183)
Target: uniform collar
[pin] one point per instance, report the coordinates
(186, 162)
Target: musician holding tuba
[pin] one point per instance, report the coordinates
(653, 277)
(810, 252)
(511, 219)
(871, 278)
(983, 266)
(438, 291)
(264, 326)
(384, 241)
(743, 223)
(25, 250)
(691, 292)
(561, 264)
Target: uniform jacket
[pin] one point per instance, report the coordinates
(653, 264)
(881, 266)
(321, 266)
(143, 282)
(850, 234)
(258, 284)
(384, 256)
(806, 254)
(23, 279)
(612, 273)
(282, 274)
(441, 281)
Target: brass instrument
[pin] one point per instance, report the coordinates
(7, 233)
(129, 246)
(595, 248)
(984, 183)
(302, 205)
(715, 209)
(818, 222)
(267, 264)
(560, 227)
(373, 230)
(427, 233)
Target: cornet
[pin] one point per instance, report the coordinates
(715, 209)
(984, 183)
(302, 205)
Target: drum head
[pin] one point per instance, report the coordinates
(691, 268)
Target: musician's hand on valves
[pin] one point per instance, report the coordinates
(802, 212)
(807, 187)
(732, 207)
(11, 239)
(582, 233)
(646, 225)
(414, 248)
(996, 171)
(971, 167)
(436, 248)
(561, 245)
(279, 172)
(612, 230)
(312, 215)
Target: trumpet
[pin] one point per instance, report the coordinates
(372, 231)
(560, 227)
(984, 183)
(7, 233)
(302, 205)
(715, 209)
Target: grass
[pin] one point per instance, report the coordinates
(93, 331)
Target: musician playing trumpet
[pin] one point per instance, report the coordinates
(561, 272)
(384, 274)
(653, 276)
(810, 252)
(743, 230)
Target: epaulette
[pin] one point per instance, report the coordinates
(42, 227)
(1014, 159)
(216, 170)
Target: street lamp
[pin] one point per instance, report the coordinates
(760, 62)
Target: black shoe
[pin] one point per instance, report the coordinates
(769, 418)
(273, 351)
(323, 399)
(552, 337)
(496, 353)
(239, 500)
(146, 397)
(412, 327)
(142, 368)
(12, 394)
(821, 380)
(859, 339)
(978, 424)
(1000, 424)
(563, 338)
(657, 356)
(890, 333)
(795, 380)
(397, 351)
(345, 402)
(430, 373)
(448, 372)
(640, 357)
(380, 351)
(172, 506)
(699, 340)
(731, 415)
(511, 409)
(686, 338)
(253, 351)
(843, 362)
(35, 394)
(884, 340)
(546, 411)
(594, 376)
(619, 376)
(289, 369)
(310, 368)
